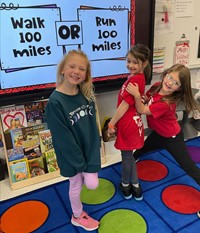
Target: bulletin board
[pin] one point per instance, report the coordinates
(183, 26)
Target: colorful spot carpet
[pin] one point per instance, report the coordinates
(171, 201)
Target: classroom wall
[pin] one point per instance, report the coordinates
(183, 25)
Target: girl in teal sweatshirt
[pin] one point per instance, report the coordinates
(71, 118)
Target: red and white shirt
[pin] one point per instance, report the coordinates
(163, 119)
(130, 130)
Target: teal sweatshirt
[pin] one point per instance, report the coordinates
(75, 136)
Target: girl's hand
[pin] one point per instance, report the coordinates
(133, 89)
(144, 99)
(111, 132)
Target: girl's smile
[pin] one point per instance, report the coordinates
(133, 65)
(170, 83)
(75, 70)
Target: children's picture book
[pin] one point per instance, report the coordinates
(34, 113)
(13, 117)
(15, 154)
(32, 152)
(51, 161)
(19, 170)
(30, 135)
(36, 167)
(33, 106)
(16, 137)
(45, 140)
(34, 117)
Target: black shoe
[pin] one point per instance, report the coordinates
(137, 193)
(126, 191)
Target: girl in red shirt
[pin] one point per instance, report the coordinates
(127, 123)
(162, 99)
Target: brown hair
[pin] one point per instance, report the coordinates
(184, 93)
(142, 53)
(86, 86)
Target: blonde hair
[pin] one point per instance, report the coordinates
(86, 86)
(184, 93)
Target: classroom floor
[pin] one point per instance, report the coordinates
(170, 204)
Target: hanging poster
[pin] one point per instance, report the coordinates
(184, 8)
(182, 52)
(158, 59)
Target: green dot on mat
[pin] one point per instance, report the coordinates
(103, 193)
(122, 221)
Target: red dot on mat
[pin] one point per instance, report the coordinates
(24, 217)
(182, 199)
(150, 170)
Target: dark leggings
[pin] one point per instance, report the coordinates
(129, 169)
(176, 147)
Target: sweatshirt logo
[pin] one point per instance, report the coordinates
(80, 112)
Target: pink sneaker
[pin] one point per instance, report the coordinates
(85, 222)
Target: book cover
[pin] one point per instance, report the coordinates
(45, 140)
(13, 117)
(33, 106)
(16, 137)
(32, 152)
(30, 135)
(15, 154)
(19, 170)
(36, 167)
(34, 117)
(34, 113)
(51, 160)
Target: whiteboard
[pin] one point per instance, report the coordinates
(177, 26)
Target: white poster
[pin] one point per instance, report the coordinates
(182, 52)
(184, 8)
